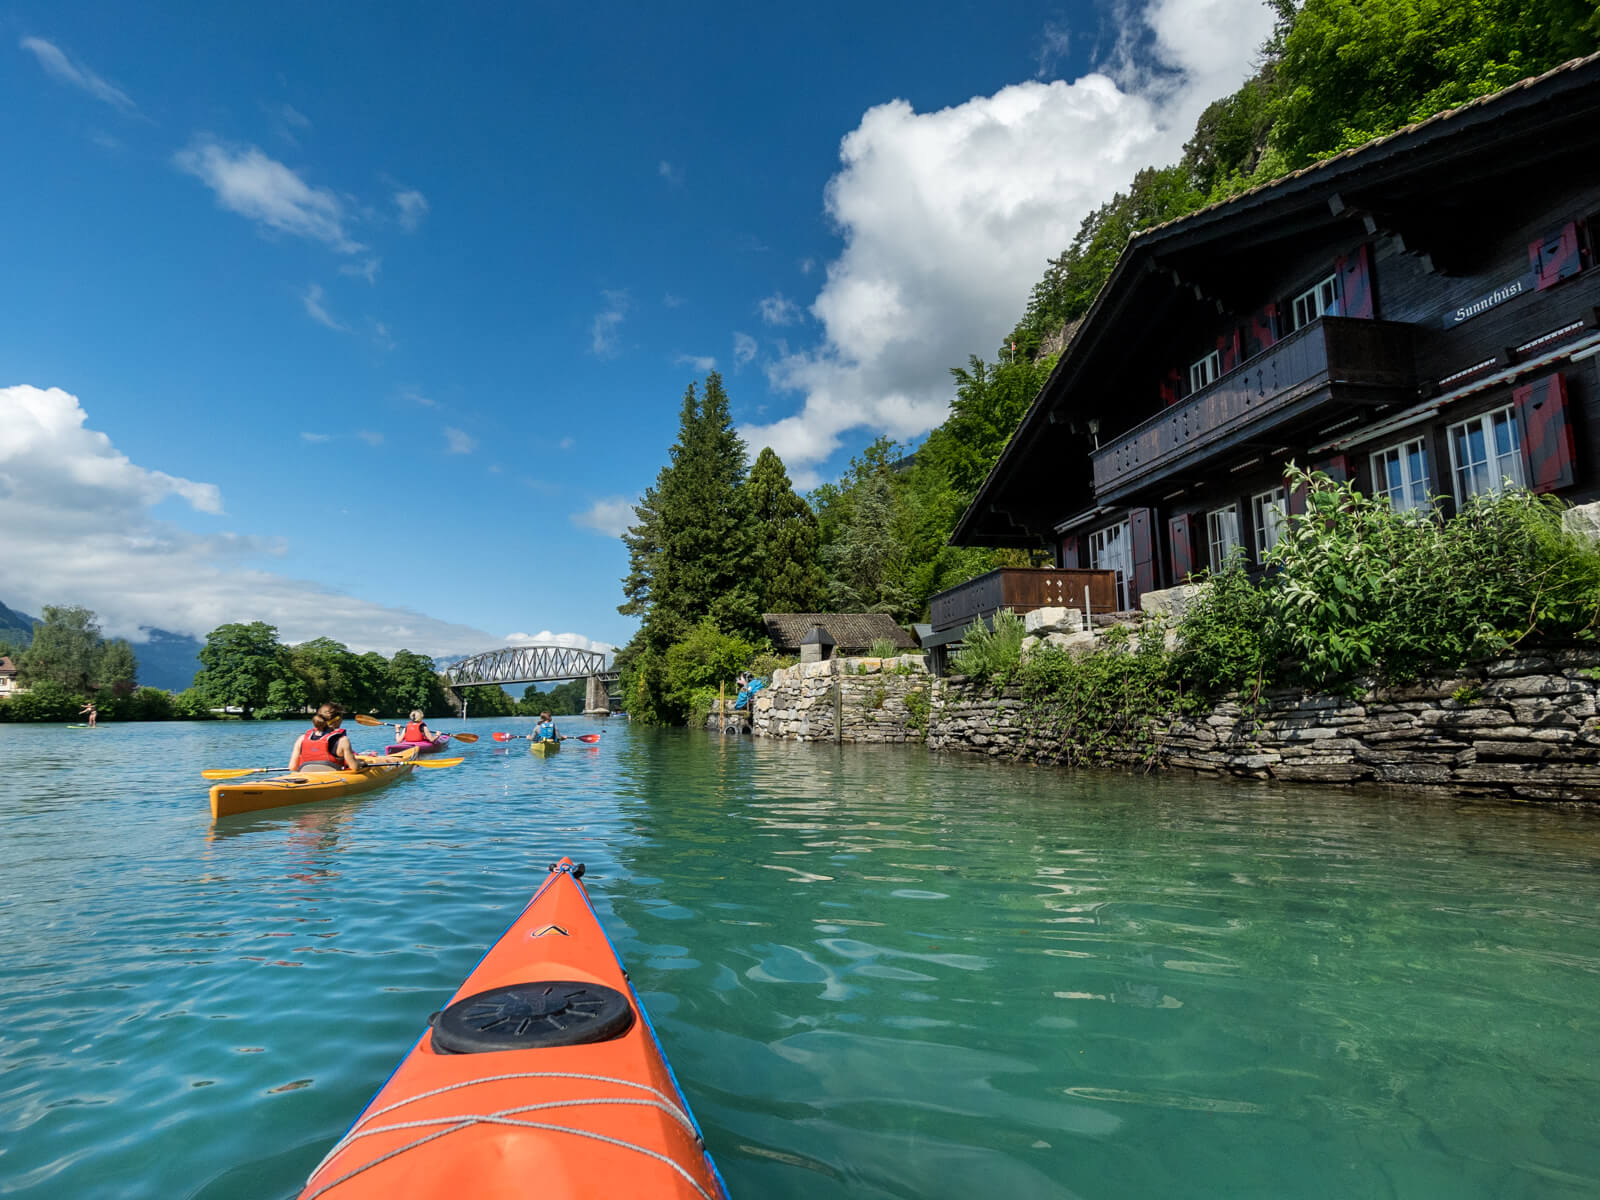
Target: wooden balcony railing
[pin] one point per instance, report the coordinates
(1021, 589)
(1329, 352)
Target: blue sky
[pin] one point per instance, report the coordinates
(371, 320)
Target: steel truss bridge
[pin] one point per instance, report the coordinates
(528, 664)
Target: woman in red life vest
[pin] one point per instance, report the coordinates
(324, 747)
(417, 730)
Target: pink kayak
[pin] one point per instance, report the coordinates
(421, 748)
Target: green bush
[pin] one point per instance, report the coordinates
(766, 662)
(991, 655)
(45, 700)
(191, 705)
(883, 648)
(1222, 640)
(919, 708)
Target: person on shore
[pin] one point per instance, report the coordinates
(416, 730)
(545, 730)
(325, 746)
(91, 710)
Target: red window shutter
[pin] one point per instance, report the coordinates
(1169, 387)
(1336, 467)
(1069, 551)
(1228, 350)
(1142, 535)
(1355, 284)
(1261, 331)
(1183, 534)
(1547, 441)
(1555, 256)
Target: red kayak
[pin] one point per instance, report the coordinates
(541, 1078)
(433, 747)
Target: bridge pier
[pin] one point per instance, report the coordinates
(596, 699)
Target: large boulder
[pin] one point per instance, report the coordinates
(1042, 621)
(1173, 602)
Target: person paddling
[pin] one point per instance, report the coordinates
(545, 730)
(417, 730)
(91, 710)
(324, 747)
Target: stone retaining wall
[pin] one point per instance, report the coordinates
(1523, 727)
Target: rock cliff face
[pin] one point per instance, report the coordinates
(1523, 727)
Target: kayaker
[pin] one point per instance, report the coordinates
(417, 730)
(92, 711)
(324, 747)
(545, 730)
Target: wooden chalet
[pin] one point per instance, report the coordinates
(1418, 315)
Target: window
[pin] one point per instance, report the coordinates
(1267, 512)
(1486, 453)
(1401, 474)
(1222, 529)
(1316, 300)
(1205, 371)
(1111, 549)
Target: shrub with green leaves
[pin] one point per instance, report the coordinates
(883, 648)
(1222, 640)
(991, 655)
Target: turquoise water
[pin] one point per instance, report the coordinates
(877, 973)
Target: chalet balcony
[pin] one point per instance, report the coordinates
(1334, 360)
(1021, 589)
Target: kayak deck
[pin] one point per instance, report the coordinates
(542, 748)
(541, 1077)
(433, 747)
(280, 791)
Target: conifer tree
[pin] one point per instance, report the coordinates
(787, 570)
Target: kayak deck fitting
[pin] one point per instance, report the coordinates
(542, 1077)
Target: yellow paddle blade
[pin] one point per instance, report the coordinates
(363, 719)
(431, 763)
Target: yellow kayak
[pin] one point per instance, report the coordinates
(279, 791)
(544, 747)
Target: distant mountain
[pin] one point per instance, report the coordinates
(16, 627)
(167, 660)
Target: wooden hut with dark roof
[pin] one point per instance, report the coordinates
(852, 633)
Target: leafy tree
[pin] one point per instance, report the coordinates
(489, 702)
(65, 650)
(191, 704)
(46, 700)
(696, 665)
(990, 403)
(116, 669)
(238, 665)
(413, 683)
(788, 575)
(563, 700)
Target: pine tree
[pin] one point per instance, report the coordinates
(788, 572)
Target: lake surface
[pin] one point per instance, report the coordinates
(876, 973)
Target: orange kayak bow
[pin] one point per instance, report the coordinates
(541, 1077)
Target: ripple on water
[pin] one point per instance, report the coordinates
(878, 973)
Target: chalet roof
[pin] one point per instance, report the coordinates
(1458, 152)
(7, 667)
(850, 631)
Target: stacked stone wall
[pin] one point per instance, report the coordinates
(1527, 727)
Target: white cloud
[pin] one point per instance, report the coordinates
(264, 190)
(457, 441)
(807, 265)
(603, 333)
(672, 174)
(744, 350)
(567, 443)
(672, 301)
(776, 309)
(575, 640)
(381, 336)
(411, 206)
(610, 515)
(293, 116)
(949, 217)
(59, 66)
(700, 362)
(315, 437)
(80, 528)
(312, 298)
(417, 397)
(370, 437)
(367, 269)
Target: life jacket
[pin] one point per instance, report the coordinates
(317, 746)
(414, 733)
(545, 731)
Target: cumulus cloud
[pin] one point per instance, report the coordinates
(410, 206)
(458, 441)
(611, 515)
(545, 638)
(57, 65)
(744, 350)
(948, 218)
(262, 189)
(700, 362)
(776, 309)
(312, 298)
(81, 528)
(607, 324)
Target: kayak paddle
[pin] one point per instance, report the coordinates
(528, 737)
(374, 723)
(235, 772)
